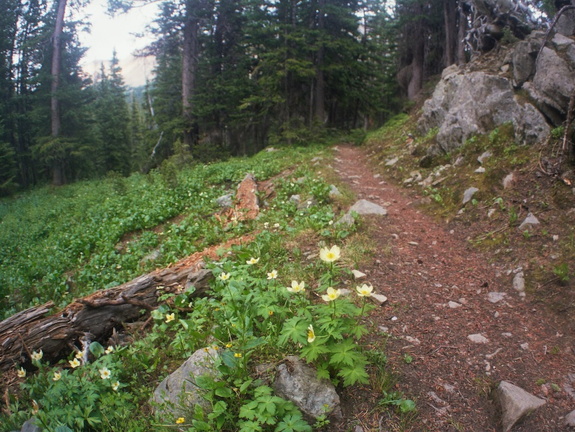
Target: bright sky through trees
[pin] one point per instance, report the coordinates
(119, 33)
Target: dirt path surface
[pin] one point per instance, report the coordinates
(439, 294)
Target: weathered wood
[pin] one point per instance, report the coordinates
(98, 314)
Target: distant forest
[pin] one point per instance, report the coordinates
(232, 77)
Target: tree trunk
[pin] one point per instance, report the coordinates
(450, 18)
(57, 164)
(462, 28)
(319, 111)
(189, 70)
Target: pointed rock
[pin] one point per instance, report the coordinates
(298, 382)
(358, 275)
(468, 194)
(516, 403)
(529, 220)
(378, 299)
(570, 419)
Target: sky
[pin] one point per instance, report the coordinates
(118, 33)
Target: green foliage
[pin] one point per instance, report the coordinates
(562, 272)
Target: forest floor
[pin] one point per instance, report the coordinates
(438, 288)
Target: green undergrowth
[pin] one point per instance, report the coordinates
(62, 243)
(282, 294)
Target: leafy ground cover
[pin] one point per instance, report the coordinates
(278, 295)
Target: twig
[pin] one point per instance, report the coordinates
(546, 39)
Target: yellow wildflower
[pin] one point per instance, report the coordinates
(238, 355)
(57, 376)
(37, 355)
(273, 274)
(21, 373)
(310, 334)
(364, 290)
(224, 276)
(79, 355)
(228, 345)
(296, 287)
(331, 294)
(74, 363)
(252, 261)
(330, 255)
(105, 373)
(170, 317)
(180, 420)
(115, 385)
(109, 349)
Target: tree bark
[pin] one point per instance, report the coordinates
(319, 111)
(57, 164)
(461, 29)
(449, 16)
(189, 70)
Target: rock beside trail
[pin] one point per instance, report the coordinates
(468, 194)
(177, 392)
(298, 383)
(362, 207)
(516, 403)
(570, 419)
(529, 221)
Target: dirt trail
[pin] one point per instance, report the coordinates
(438, 289)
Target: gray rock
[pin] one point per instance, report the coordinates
(30, 426)
(529, 220)
(508, 181)
(478, 338)
(298, 383)
(453, 305)
(552, 84)
(519, 283)
(468, 194)
(464, 105)
(225, 201)
(378, 299)
(496, 297)
(523, 59)
(516, 403)
(566, 23)
(480, 170)
(177, 392)
(296, 199)
(358, 275)
(346, 219)
(365, 207)
(391, 162)
(334, 191)
(484, 155)
(570, 419)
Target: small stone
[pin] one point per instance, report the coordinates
(412, 243)
(484, 156)
(378, 298)
(391, 162)
(507, 334)
(30, 426)
(495, 297)
(570, 419)
(519, 283)
(365, 207)
(453, 305)
(525, 346)
(358, 275)
(508, 181)
(296, 199)
(412, 340)
(394, 318)
(468, 194)
(334, 191)
(529, 220)
(555, 238)
(225, 201)
(478, 338)
(515, 403)
(491, 212)
(480, 170)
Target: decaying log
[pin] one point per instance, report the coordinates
(98, 314)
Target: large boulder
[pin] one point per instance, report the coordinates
(552, 85)
(299, 383)
(475, 103)
(177, 393)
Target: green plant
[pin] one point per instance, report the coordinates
(562, 272)
(397, 399)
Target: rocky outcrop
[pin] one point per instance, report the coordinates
(527, 86)
(467, 104)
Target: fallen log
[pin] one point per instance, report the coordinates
(94, 317)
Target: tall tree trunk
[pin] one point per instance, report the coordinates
(319, 111)
(450, 18)
(189, 70)
(57, 165)
(462, 28)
